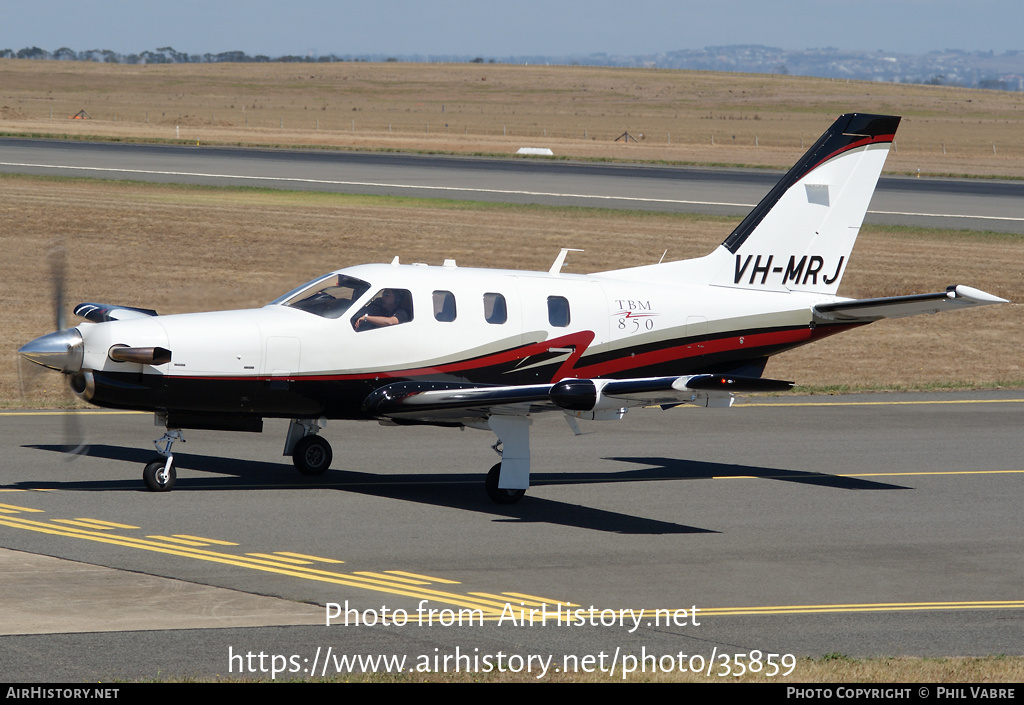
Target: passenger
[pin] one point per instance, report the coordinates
(386, 310)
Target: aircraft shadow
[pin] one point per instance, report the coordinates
(455, 491)
(676, 469)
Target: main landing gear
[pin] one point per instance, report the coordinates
(160, 474)
(498, 495)
(311, 454)
(507, 482)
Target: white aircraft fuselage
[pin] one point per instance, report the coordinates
(280, 361)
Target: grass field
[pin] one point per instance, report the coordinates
(678, 116)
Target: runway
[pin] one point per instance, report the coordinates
(866, 525)
(942, 203)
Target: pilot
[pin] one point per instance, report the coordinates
(388, 309)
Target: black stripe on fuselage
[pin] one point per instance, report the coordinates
(342, 396)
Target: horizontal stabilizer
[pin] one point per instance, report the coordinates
(953, 298)
(100, 313)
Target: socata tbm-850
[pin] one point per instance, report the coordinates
(452, 346)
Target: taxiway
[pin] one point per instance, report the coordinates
(867, 525)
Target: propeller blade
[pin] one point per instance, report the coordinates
(58, 259)
(62, 350)
(74, 435)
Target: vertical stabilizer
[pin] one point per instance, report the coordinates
(799, 237)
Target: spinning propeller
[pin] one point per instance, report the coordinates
(63, 351)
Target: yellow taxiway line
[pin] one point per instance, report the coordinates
(490, 606)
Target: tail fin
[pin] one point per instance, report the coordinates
(799, 237)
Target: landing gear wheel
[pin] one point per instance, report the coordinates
(312, 455)
(156, 478)
(498, 495)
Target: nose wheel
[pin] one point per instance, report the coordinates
(160, 474)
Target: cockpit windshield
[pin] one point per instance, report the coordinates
(329, 296)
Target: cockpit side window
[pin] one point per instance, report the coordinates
(558, 311)
(330, 297)
(444, 306)
(388, 307)
(495, 310)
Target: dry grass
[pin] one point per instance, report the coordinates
(179, 249)
(469, 108)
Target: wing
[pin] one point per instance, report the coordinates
(953, 298)
(444, 402)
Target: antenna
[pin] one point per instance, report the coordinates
(556, 267)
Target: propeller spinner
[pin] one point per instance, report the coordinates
(62, 350)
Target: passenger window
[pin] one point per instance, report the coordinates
(558, 311)
(444, 306)
(388, 307)
(494, 308)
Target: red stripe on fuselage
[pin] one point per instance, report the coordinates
(791, 337)
(580, 341)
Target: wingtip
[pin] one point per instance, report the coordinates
(976, 295)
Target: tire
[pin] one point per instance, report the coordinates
(154, 476)
(498, 495)
(312, 455)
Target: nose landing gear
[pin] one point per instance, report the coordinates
(160, 474)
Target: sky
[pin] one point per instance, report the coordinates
(510, 28)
